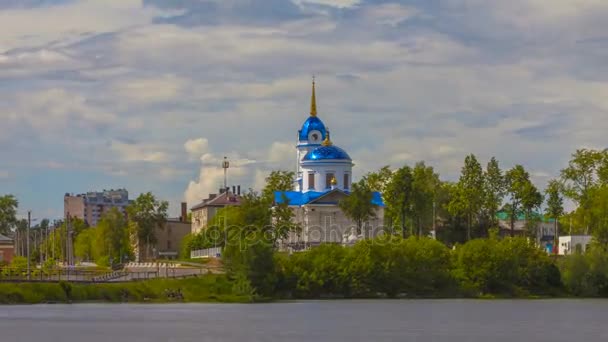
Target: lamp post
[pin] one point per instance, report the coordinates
(27, 241)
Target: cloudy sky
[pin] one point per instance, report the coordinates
(150, 95)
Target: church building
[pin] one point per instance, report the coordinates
(323, 179)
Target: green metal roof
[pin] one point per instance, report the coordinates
(503, 215)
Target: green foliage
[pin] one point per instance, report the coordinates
(388, 266)
(358, 205)
(494, 190)
(147, 214)
(425, 187)
(8, 213)
(398, 197)
(468, 196)
(524, 196)
(251, 256)
(378, 181)
(277, 181)
(513, 266)
(210, 288)
(586, 275)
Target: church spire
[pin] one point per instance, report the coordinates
(313, 100)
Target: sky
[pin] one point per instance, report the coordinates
(150, 95)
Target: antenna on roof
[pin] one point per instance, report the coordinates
(225, 166)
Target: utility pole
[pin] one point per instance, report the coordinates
(434, 221)
(29, 223)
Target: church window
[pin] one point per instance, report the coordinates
(311, 181)
(328, 178)
(346, 181)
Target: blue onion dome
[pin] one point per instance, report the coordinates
(313, 123)
(327, 151)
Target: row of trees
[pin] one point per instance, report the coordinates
(417, 200)
(392, 266)
(109, 242)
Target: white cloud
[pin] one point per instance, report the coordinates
(138, 152)
(196, 147)
(390, 14)
(333, 3)
(150, 90)
(68, 22)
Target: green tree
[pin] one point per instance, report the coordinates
(8, 213)
(277, 181)
(555, 205)
(531, 202)
(358, 205)
(580, 177)
(599, 215)
(147, 213)
(494, 190)
(522, 193)
(379, 180)
(469, 193)
(398, 198)
(83, 245)
(425, 185)
(112, 238)
(282, 215)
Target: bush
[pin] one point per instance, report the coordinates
(513, 266)
(388, 266)
(586, 275)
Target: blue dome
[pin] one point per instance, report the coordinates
(326, 152)
(313, 123)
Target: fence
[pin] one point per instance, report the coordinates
(8, 274)
(215, 252)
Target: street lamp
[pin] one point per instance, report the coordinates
(27, 241)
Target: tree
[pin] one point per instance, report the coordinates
(599, 215)
(379, 180)
(398, 198)
(469, 195)
(147, 213)
(494, 190)
(8, 213)
(425, 184)
(581, 176)
(524, 197)
(555, 205)
(282, 215)
(277, 181)
(111, 238)
(83, 245)
(358, 205)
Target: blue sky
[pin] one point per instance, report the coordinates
(150, 95)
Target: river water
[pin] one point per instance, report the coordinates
(377, 320)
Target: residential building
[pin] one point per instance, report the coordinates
(324, 178)
(91, 206)
(571, 244)
(168, 239)
(7, 249)
(544, 229)
(203, 212)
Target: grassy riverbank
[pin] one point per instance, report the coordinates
(210, 288)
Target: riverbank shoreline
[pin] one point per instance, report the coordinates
(206, 289)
